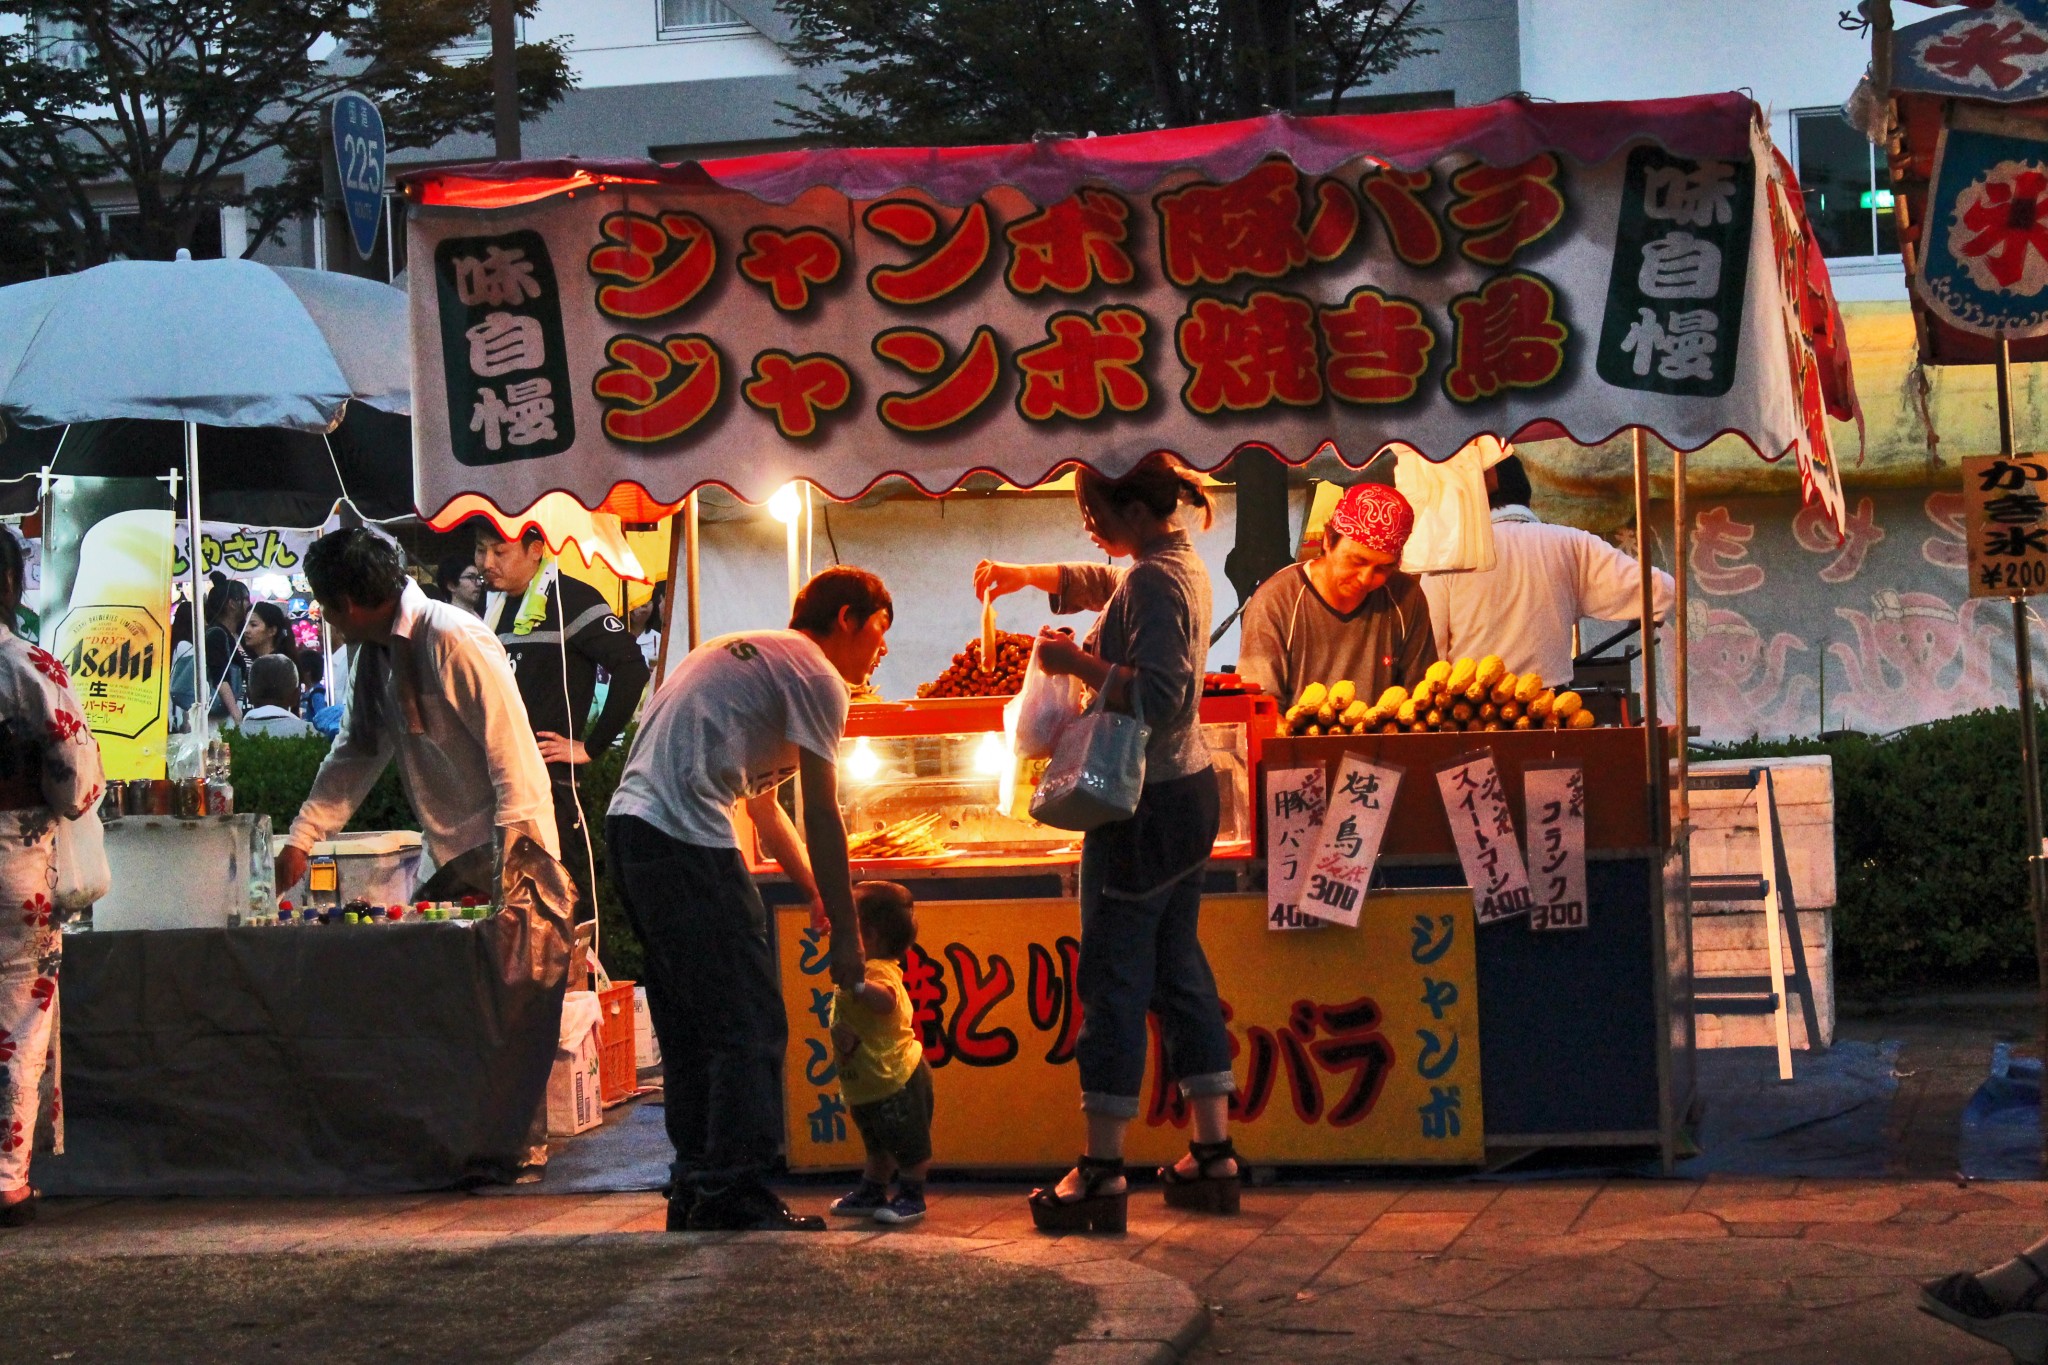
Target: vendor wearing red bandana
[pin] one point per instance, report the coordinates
(1348, 613)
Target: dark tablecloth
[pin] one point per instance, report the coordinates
(300, 1061)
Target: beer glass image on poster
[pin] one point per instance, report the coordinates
(107, 611)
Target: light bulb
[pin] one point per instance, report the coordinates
(991, 756)
(863, 763)
(787, 504)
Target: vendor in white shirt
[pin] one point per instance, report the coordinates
(430, 686)
(1545, 579)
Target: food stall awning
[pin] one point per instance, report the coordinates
(1289, 284)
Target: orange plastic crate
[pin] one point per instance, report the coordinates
(618, 1070)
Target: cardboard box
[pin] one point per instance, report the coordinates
(575, 1101)
(646, 1046)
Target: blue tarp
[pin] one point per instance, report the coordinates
(2001, 1131)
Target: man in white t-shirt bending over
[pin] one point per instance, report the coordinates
(737, 718)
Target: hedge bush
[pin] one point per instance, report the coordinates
(1930, 835)
(272, 775)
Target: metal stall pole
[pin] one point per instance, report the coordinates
(1660, 814)
(1681, 538)
(668, 596)
(692, 544)
(1659, 801)
(2030, 749)
(202, 693)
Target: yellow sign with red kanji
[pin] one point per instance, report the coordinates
(1348, 1045)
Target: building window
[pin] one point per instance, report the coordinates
(697, 19)
(1848, 193)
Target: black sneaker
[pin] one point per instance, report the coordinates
(862, 1203)
(904, 1208)
(748, 1211)
(679, 1206)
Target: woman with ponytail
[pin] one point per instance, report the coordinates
(1141, 878)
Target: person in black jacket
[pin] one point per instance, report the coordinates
(556, 667)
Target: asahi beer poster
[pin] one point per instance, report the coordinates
(107, 612)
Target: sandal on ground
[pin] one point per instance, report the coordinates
(21, 1212)
(1208, 1190)
(2021, 1329)
(1089, 1211)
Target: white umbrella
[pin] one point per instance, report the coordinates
(224, 343)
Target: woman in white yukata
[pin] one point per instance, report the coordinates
(49, 771)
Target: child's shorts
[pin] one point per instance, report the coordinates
(900, 1125)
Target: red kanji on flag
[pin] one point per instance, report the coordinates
(1089, 364)
(1378, 347)
(652, 393)
(658, 263)
(955, 396)
(1070, 245)
(1242, 357)
(790, 263)
(1211, 234)
(796, 389)
(1508, 337)
(940, 271)
(1501, 209)
(1988, 47)
(1396, 196)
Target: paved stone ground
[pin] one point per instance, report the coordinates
(1731, 1268)
(1724, 1269)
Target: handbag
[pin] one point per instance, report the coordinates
(79, 856)
(1097, 772)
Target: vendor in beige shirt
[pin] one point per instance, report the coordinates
(1350, 613)
(429, 685)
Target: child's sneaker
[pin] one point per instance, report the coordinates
(865, 1202)
(904, 1208)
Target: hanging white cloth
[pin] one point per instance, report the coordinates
(1453, 525)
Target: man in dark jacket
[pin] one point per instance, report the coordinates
(556, 667)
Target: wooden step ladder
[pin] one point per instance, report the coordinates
(1772, 888)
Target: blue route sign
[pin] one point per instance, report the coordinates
(359, 162)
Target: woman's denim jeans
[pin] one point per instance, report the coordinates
(1140, 955)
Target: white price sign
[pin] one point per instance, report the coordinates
(1485, 832)
(1349, 845)
(1554, 804)
(1294, 816)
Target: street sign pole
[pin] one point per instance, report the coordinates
(2030, 748)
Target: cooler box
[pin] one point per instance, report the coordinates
(185, 874)
(379, 866)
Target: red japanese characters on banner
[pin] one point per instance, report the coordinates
(895, 312)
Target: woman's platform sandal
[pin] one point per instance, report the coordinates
(1091, 1210)
(2022, 1329)
(1205, 1191)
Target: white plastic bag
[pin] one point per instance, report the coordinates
(1043, 707)
(80, 856)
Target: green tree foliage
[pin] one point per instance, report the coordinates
(957, 72)
(168, 106)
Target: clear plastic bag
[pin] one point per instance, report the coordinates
(1043, 707)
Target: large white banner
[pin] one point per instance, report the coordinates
(668, 335)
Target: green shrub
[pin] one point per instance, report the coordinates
(1930, 835)
(272, 775)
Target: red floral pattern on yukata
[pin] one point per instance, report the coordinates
(47, 665)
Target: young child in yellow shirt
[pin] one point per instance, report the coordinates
(882, 1073)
